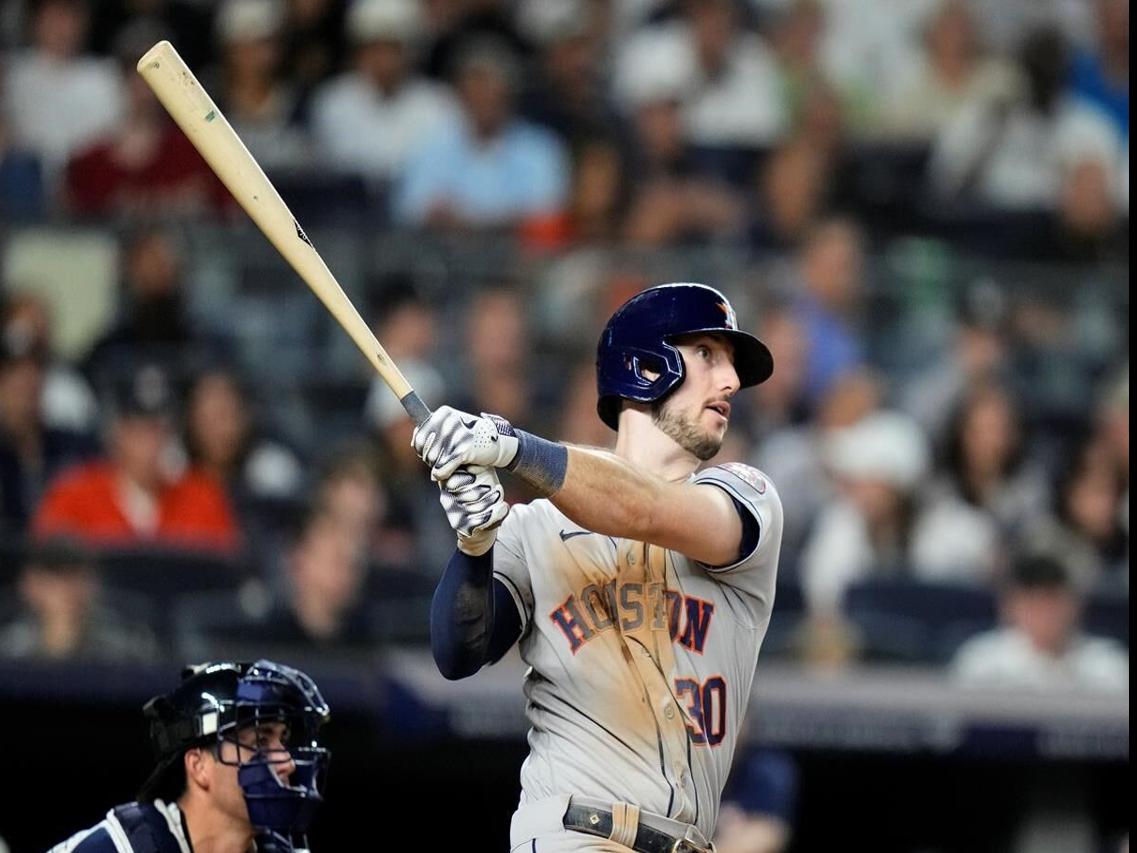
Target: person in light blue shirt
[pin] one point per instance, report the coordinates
(487, 168)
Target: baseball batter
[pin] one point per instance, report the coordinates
(639, 591)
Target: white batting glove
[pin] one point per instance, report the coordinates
(450, 438)
(475, 506)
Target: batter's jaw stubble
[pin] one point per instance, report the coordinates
(685, 431)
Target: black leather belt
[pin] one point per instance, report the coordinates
(648, 839)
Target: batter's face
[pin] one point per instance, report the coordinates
(696, 415)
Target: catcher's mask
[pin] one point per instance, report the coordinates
(215, 703)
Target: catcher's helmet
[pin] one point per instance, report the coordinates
(639, 336)
(214, 702)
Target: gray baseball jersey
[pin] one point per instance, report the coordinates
(641, 659)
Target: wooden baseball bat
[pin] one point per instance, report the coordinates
(200, 119)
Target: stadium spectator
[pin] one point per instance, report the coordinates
(951, 71)
(879, 463)
(145, 166)
(371, 119)
(411, 533)
(828, 303)
(490, 169)
(454, 26)
(1041, 645)
(1101, 76)
(989, 494)
(670, 199)
(223, 440)
(322, 608)
(567, 93)
(186, 24)
(1090, 512)
(264, 108)
(976, 352)
(734, 97)
(314, 42)
(131, 496)
(154, 324)
(781, 403)
(1111, 427)
(1013, 152)
(1090, 226)
(67, 401)
(498, 341)
(793, 455)
(796, 31)
(576, 421)
(350, 495)
(63, 616)
(403, 318)
(793, 190)
(597, 199)
(31, 451)
(54, 78)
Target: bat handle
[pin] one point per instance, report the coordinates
(415, 407)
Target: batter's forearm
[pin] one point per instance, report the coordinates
(605, 494)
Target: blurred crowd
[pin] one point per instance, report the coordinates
(921, 206)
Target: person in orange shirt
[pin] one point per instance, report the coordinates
(130, 497)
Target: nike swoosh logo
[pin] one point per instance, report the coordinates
(470, 424)
(566, 535)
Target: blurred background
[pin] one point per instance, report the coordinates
(922, 206)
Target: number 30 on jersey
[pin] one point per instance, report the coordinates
(706, 704)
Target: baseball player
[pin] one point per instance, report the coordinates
(639, 591)
(239, 766)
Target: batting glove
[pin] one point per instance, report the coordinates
(450, 438)
(475, 506)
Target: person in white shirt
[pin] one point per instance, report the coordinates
(952, 69)
(53, 80)
(1015, 152)
(370, 119)
(735, 98)
(1040, 645)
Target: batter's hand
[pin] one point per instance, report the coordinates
(450, 438)
(475, 506)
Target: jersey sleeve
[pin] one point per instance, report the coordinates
(510, 567)
(756, 571)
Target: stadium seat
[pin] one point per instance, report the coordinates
(400, 608)
(785, 620)
(1107, 615)
(163, 574)
(912, 622)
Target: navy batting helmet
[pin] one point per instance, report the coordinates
(640, 336)
(213, 703)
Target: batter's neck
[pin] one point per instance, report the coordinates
(641, 443)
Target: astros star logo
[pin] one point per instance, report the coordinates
(731, 320)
